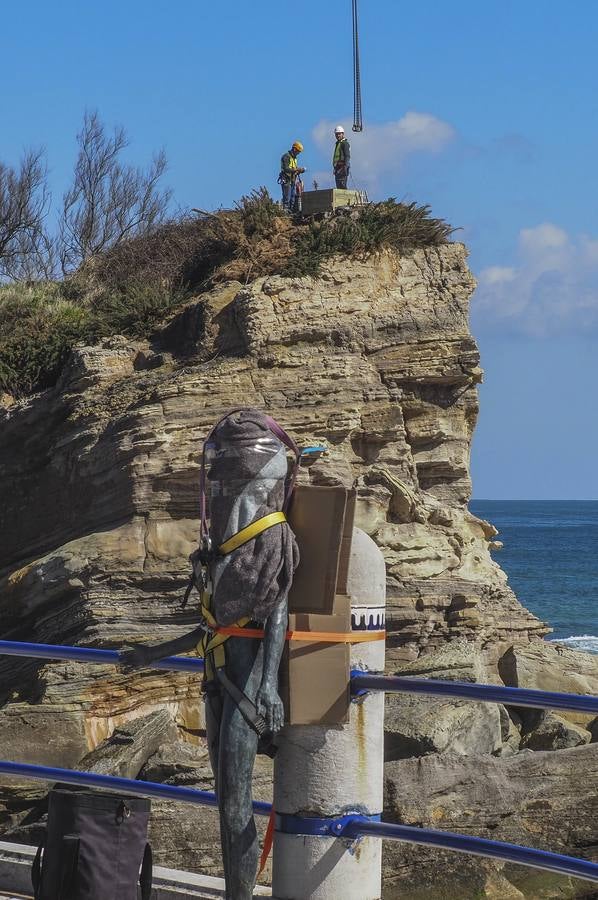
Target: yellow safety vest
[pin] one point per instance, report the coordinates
(338, 155)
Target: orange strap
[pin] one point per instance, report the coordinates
(268, 841)
(325, 637)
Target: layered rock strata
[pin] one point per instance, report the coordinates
(99, 499)
(99, 492)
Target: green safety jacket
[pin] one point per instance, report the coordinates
(342, 154)
(288, 167)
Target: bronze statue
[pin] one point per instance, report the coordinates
(245, 482)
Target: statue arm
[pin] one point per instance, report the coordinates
(143, 655)
(268, 701)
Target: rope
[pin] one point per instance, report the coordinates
(357, 119)
(324, 637)
(268, 841)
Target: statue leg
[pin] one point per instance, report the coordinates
(238, 747)
(213, 711)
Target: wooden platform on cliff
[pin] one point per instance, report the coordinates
(317, 202)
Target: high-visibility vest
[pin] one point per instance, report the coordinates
(292, 165)
(339, 154)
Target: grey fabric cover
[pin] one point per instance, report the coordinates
(246, 472)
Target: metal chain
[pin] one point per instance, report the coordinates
(357, 119)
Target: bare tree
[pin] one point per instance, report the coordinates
(24, 201)
(34, 258)
(109, 200)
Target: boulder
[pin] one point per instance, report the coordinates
(555, 733)
(129, 746)
(551, 667)
(459, 660)
(175, 761)
(416, 725)
(546, 800)
(510, 730)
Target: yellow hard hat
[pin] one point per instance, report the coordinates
(298, 146)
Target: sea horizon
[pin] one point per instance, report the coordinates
(549, 556)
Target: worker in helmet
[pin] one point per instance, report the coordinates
(341, 158)
(289, 171)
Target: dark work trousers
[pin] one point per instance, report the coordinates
(340, 176)
(288, 194)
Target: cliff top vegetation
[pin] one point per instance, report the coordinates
(130, 287)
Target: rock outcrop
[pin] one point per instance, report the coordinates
(98, 500)
(99, 504)
(534, 799)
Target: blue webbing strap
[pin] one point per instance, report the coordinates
(321, 827)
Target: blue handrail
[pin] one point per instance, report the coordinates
(121, 785)
(350, 826)
(487, 693)
(93, 655)
(360, 681)
(461, 843)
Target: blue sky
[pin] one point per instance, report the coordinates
(486, 111)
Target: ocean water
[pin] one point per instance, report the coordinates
(550, 554)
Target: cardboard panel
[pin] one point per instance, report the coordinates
(317, 516)
(346, 541)
(315, 675)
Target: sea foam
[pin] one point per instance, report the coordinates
(587, 642)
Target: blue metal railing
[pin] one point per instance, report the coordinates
(486, 693)
(121, 785)
(93, 655)
(360, 681)
(350, 827)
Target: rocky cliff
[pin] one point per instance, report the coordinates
(99, 499)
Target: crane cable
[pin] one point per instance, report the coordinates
(357, 120)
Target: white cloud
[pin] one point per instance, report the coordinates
(383, 149)
(542, 238)
(497, 275)
(552, 289)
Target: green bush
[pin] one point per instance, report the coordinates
(135, 312)
(400, 226)
(259, 214)
(37, 330)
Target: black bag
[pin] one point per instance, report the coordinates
(94, 848)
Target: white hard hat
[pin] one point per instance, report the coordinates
(339, 129)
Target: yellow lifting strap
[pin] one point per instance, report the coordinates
(250, 531)
(213, 643)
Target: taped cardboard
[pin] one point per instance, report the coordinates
(316, 689)
(315, 675)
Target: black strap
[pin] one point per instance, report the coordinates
(36, 870)
(249, 713)
(246, 707)
(147, 872)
